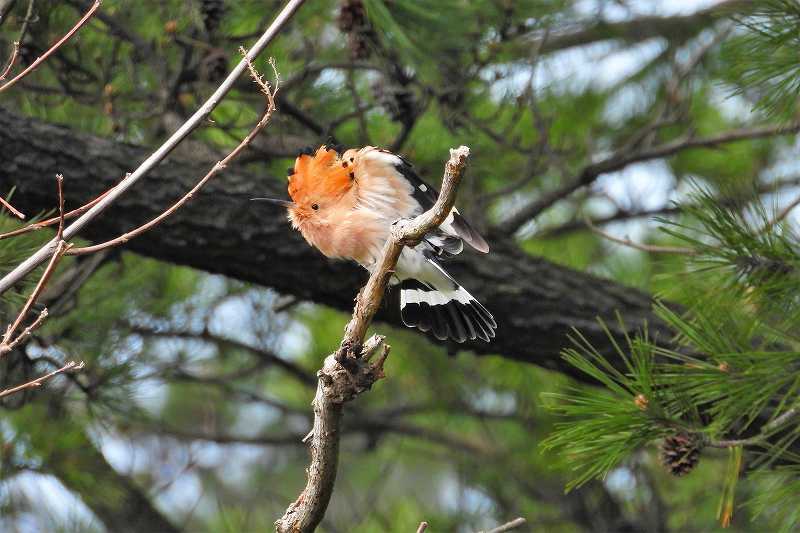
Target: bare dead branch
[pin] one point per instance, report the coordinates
(72, 366)
(622, 159)
(54, 220)
(15, 45)
(422, 527)
(350, 371)
(39, 60)
(11, 60)
(638, 246)
(11, 208)
(622, 215)
(766, 431)
(336, 386)
(9, 342)
(782, 214)
(156, 157)
(60, 186)
(508, 526)
(269, 94)
(640, 28)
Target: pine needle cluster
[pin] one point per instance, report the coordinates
(763, 60)
(729, 378)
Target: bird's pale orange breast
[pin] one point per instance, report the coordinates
(347, 234)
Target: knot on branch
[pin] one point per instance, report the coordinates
(342, 380)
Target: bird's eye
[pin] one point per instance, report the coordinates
(314, 206)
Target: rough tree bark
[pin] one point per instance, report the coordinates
(535, 302)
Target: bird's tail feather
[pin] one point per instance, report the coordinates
(451, 313)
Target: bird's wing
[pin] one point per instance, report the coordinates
(426, 196)
(431, 300)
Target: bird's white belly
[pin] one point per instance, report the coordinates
(411, 264)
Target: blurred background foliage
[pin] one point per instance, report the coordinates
(196, 389)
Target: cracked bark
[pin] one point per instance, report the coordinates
(535, 302)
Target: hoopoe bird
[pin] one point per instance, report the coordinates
(344, 205)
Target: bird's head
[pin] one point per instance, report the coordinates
(317, 182)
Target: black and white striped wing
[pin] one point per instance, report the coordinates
(455, 225)
(454, 315)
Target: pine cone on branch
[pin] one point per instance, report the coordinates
(680, 453)
(212, 12)
(354, 23)
(213, 65)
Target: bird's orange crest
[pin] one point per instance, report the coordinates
(319, 179)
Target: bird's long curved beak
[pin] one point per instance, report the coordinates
(285, 203)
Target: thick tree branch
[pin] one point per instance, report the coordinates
(638, 29)
(535, 302)
(337, 385)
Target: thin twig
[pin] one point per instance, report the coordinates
(622, 159)
(578, 224)
(782, 214)
(422, 527)
(72, 366)
(11, 208)
(9, 342)
(269, 357)
(39, 60)
(638, 246)
(156, 157)
(762, 436)
(60, 186)
(219, 166)
(21, 39)
(55, 220)
(11, 60)
(508, 526)
(349, 371)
